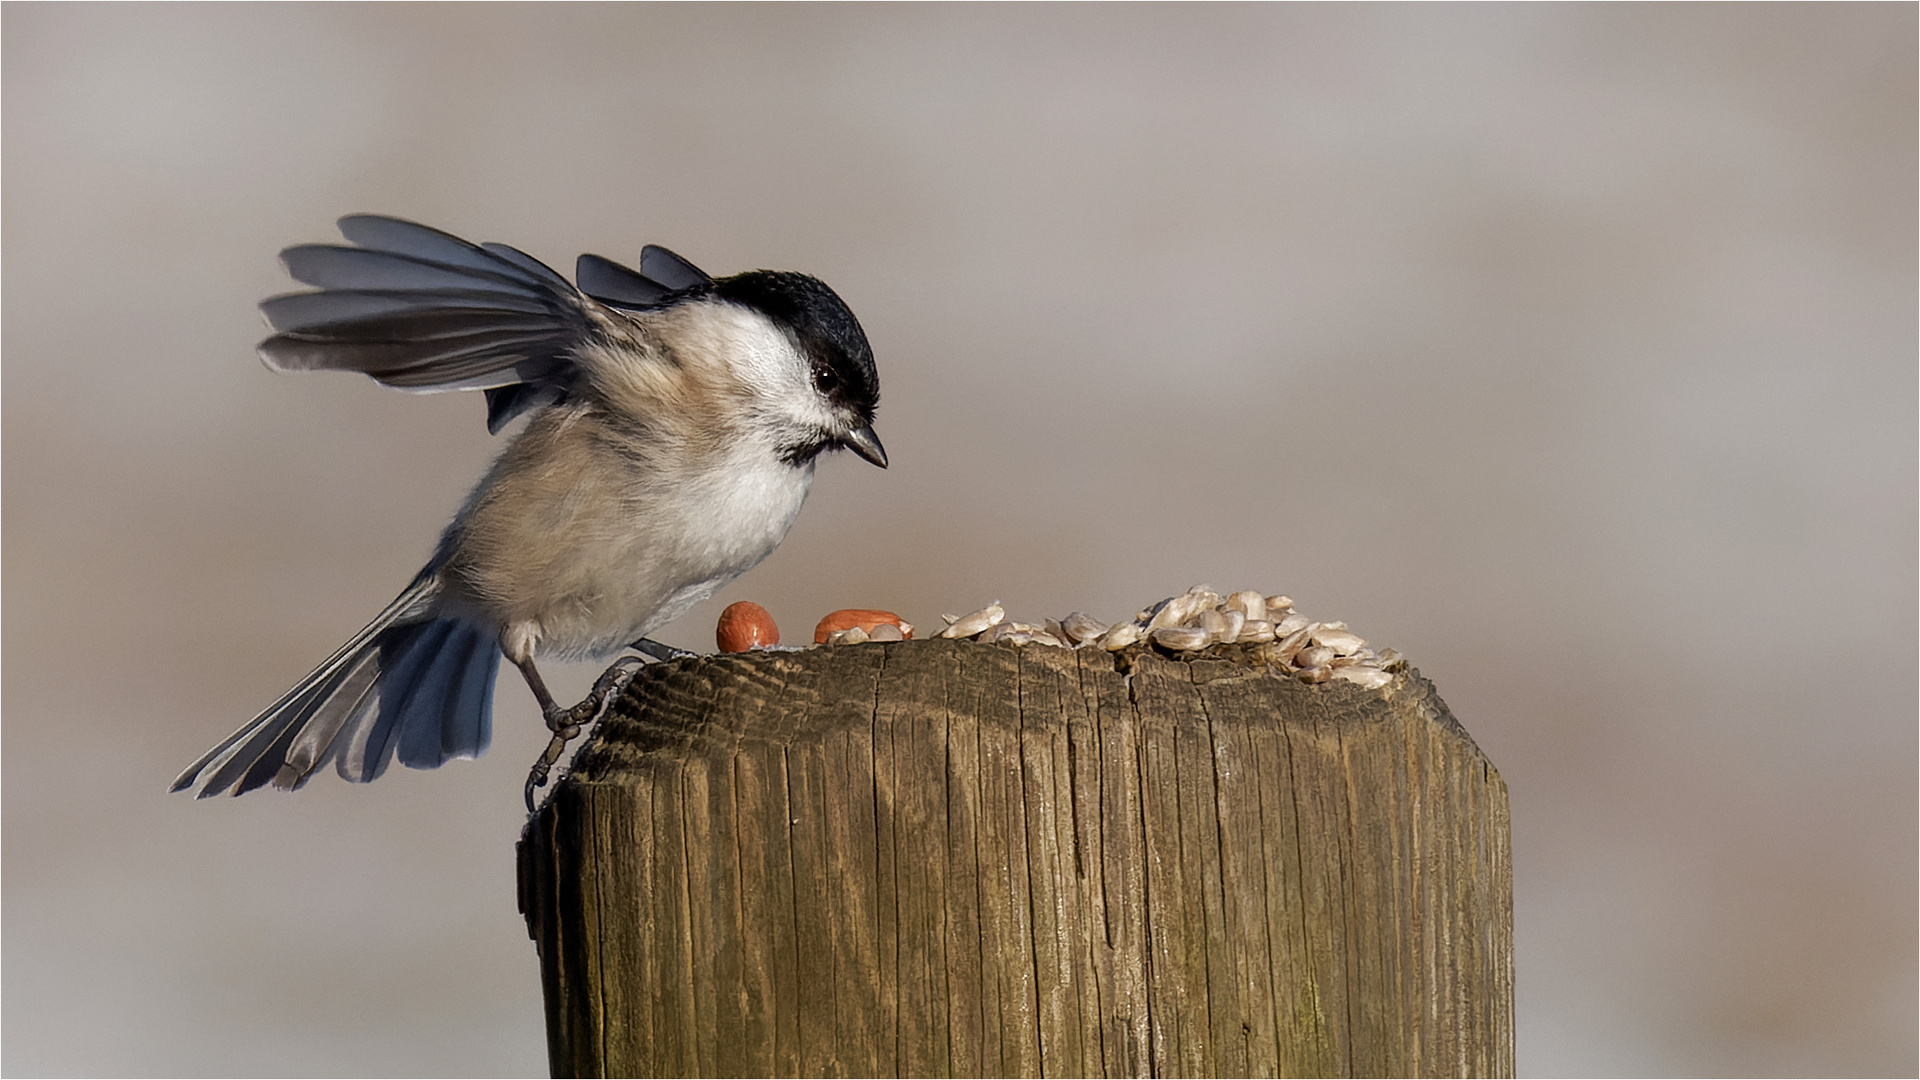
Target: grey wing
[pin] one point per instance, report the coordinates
(671, 270)
(423, 310)
(610, 283)
(662, 274)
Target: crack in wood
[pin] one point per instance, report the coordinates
(1329, 892)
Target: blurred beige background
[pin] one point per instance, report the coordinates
(1568, 349)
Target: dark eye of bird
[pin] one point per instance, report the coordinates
(825, 380)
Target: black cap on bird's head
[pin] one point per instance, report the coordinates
(831, 339)
(836, 349)
(423, 310)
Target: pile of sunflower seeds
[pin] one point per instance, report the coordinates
(1313, 652)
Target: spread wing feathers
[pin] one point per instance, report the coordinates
(528, 263)
(610, 283)
(506, 402)
(661, 274)
(421, 687)
(423, 310)
(671, 270)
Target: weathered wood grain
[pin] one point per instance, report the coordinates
(940, 858)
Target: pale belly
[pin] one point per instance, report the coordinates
(594, 571)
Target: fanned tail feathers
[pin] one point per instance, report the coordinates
(421, 689)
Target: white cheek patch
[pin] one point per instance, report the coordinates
(740, 355)
(767, 358)
(765, 355)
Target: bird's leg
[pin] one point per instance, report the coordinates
(566, 723)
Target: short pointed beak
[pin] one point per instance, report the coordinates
(865, 443)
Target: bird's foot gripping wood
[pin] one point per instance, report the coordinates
(566, 723)
(660, 650)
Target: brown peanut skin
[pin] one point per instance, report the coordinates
(864, 618)
(745, 625)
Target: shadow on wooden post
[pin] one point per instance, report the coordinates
(948, 858)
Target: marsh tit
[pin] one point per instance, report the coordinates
(675, 419)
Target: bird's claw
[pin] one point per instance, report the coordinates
(566, 723)
(537, 778)
(659, 650)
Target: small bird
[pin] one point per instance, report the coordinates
(674, 424)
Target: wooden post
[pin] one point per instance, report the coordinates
(949, 858)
